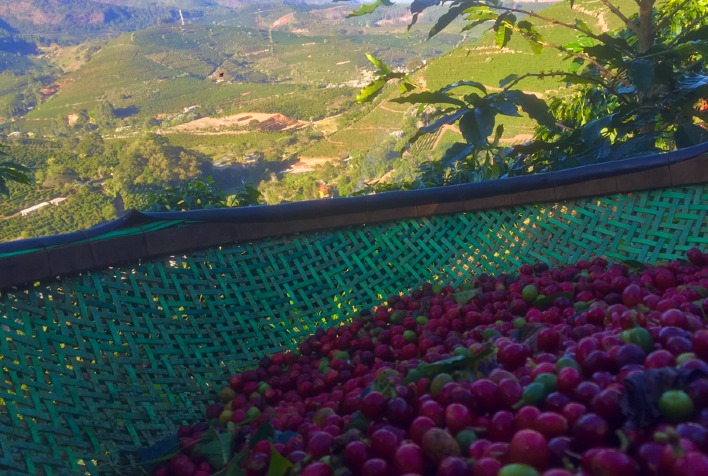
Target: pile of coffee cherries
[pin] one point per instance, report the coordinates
(585, 369)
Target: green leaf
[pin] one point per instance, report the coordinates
(445, 19)
(634, 265)
(406, 87)
(508, 79)
(544, 302)
(366, 9)
(536, 108)
(234, 464)
(163, 450)
(485, 117)
(506, 108)
(592, 131)
(444, 120)
(369, 92)
(463, 297)
(474, 84)
(502, 36)
(691, 82)
(478, 15)
(279, 465)
(471, 24)
(498, 134)
(575, 65)
(453, 364)
(605, 54)
(700, 47)
(478, 124)
(579, 45)
(428, 97)
(642, 74)
(503, 27)
(215, 447)
(469, 129)
(582, 26)
(264, 432)
(688, 134)
(383, 67)
(533, 37)
(419, 5)
(358, 421)
(455, 153)
(701, 290)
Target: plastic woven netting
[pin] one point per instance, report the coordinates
(96, 365)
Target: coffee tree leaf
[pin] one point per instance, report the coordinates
(234, 464)
(502, 36)
(688, 134)
(463, 297)
(366, 9)
(358, 422)
(473, 84)
(445, 19)
(215, 447)
(450, 365)
(444, 120)
(641, 72)
(370, 91)
(536, 108)
(279, 465)
(455, 153)
(161, 451)
(264, 432)
(429, 97)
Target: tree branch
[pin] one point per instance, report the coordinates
(597, 81)
(553, 21)
(630, 24)
(603, 70)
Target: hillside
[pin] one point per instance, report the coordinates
(263, 96)
(233, 91)
(479, 60)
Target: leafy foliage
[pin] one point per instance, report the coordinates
(637, 92)
(10, 171)
(199, 193)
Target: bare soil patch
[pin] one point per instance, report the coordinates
(308, 164)
(227, 124)
(284, 20)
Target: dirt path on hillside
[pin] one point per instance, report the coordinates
(383, 106)
(441, 133)
(517, 139)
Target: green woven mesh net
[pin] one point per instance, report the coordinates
(96, 365)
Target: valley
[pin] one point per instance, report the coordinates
(248, 95)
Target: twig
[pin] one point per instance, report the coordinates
(604, 71)
(600, 82)
(552, 21)
(630, 24)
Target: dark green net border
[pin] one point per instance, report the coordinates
(96, 365)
